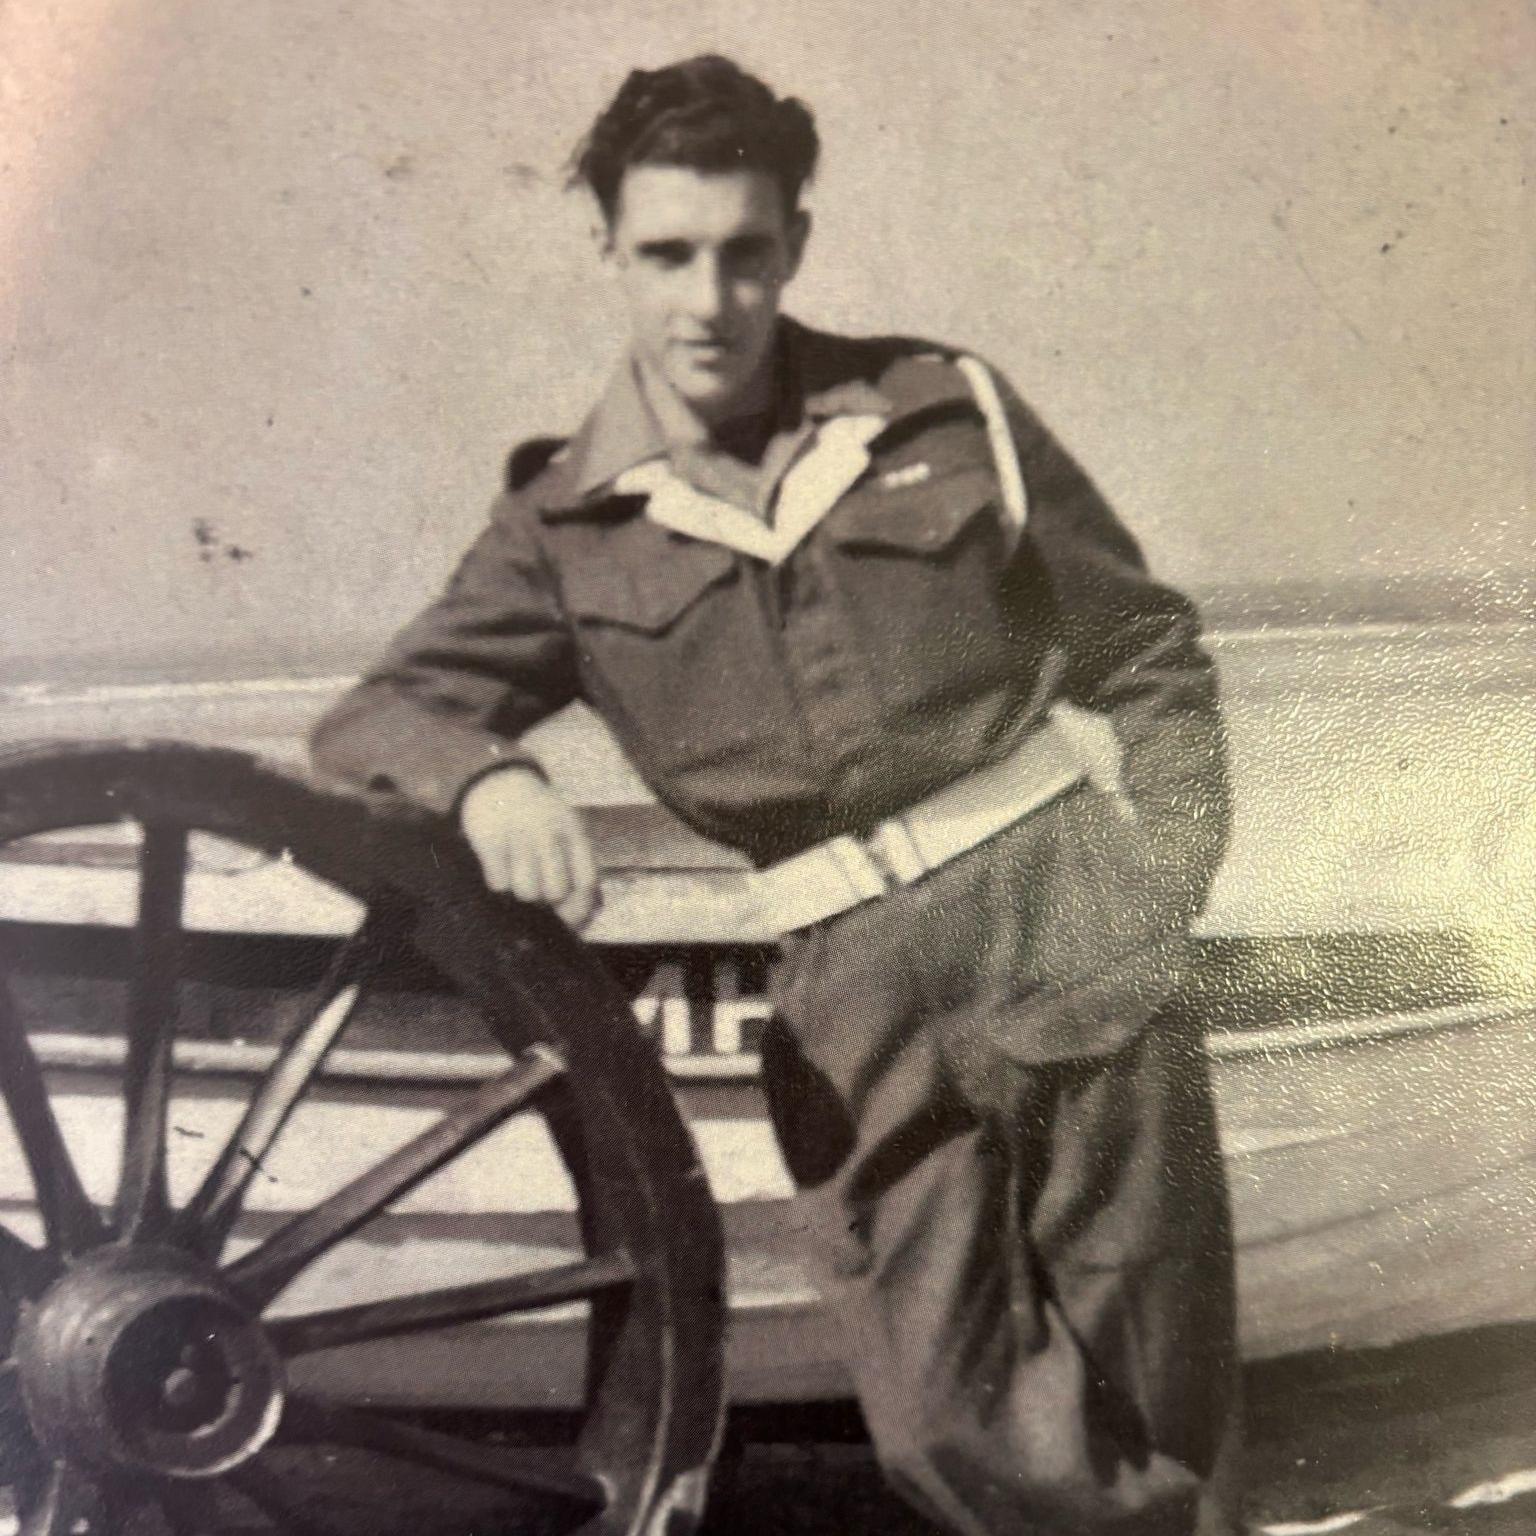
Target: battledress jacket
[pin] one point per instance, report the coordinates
(887, 632)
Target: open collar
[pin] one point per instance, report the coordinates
(622, 430)
(848, 394)
(833, 459)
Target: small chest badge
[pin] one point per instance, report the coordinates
(908, 474)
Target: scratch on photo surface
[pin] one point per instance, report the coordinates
(1278, 220)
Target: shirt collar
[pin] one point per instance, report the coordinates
(630, 425)
(677, 423)
(620, 432)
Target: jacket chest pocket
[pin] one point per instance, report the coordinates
(644, 597)
(664, 650)
(922, 565)
(929, 519)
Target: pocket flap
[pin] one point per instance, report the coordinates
(650, 595)
(923, 518)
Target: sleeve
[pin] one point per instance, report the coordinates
(1133, 653)
(457, 687)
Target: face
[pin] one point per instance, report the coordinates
(703, 258)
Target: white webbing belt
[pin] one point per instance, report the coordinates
(846, 871)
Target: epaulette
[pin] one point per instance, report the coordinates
(920, 388)
(919, 380)
(529, 460)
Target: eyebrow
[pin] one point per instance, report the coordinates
(665, 247)
(739, 245)
(748, 244)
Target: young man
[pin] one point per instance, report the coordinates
(839, 600)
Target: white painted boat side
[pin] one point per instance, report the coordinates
(1383, 1174)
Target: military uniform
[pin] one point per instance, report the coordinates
(1003, 1135)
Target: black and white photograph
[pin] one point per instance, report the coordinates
(767, 768)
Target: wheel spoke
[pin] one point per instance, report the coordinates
(142, 1203)
(519, 1470)
(17, 1450)
(450, 1306)
(23, 1270)
(262, 1273)
(190, 1508)
(69, 1218)
(122, 1499)
(186, 1512)
(213, 1210)
(53, 1502)
(265, 1490)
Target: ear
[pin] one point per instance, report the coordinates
(798, 233)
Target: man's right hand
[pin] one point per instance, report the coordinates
(531, 843)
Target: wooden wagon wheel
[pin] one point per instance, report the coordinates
(143, 1385)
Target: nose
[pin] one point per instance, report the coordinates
(707, 296)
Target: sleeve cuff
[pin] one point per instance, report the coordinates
(438, 772)
(394, 746)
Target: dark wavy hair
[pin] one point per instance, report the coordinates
(706, 113)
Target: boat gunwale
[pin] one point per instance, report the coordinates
(62, 1051)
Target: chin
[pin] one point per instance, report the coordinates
(708, 391)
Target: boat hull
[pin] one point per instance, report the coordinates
(1383, 1176)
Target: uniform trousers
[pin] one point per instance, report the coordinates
(1027, 1254)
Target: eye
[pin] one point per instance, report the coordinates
(749, 255)
(667, 254)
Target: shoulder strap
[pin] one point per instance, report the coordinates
(529, 460)
(1005, 450)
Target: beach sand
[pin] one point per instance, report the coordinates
(1437, 1436)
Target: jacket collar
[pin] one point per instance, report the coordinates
(822, 377)
(836, 456)
(620, 432)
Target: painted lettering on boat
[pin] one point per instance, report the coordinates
(717, 1020)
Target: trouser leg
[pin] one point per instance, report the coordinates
(1035, 1293)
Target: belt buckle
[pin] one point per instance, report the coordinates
(861, 872)
(894, 853)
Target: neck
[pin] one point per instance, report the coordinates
(751, 404)
(685, 422)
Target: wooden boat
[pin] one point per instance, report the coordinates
(1383, 1170)
(1371, 1026)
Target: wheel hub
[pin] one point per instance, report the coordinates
(137, 1359)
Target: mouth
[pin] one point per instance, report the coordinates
(706, 352)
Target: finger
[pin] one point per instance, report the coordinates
(554, 870)
(579, 908)
(586, 894)
(494, 867)
(523, 874)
